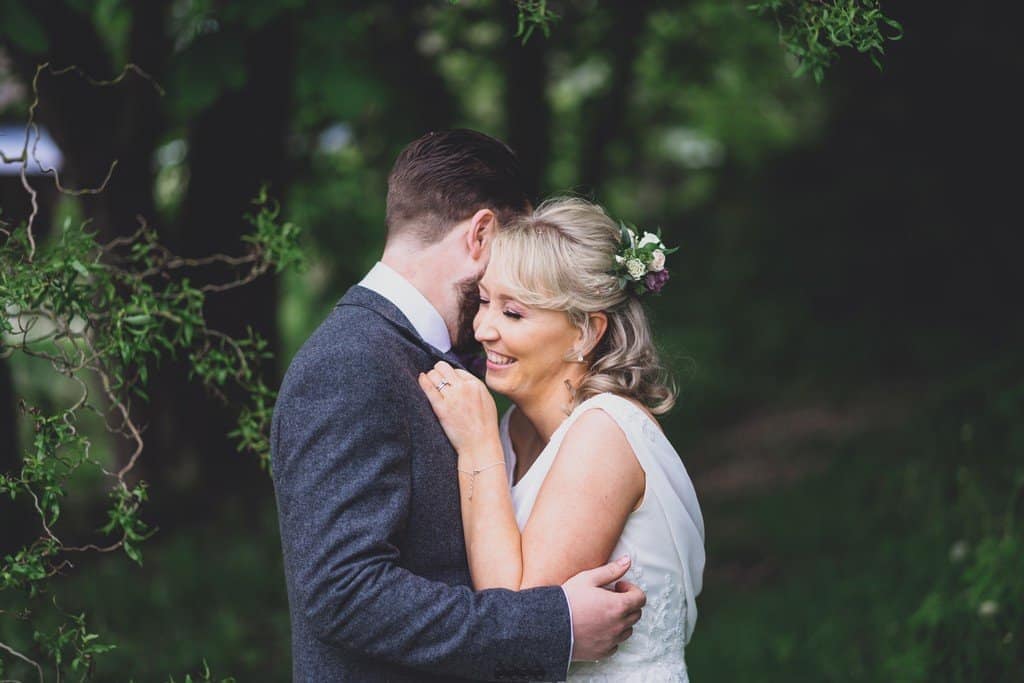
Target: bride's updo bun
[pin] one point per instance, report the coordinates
(561, 257)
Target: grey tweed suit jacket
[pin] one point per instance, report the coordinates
(367, 495)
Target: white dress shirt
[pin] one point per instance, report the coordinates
(429, 324)
(425, 319)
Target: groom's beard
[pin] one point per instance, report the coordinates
(465, 343)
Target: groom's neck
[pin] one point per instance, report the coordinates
(425, 268)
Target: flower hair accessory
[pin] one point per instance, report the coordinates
(640, 261)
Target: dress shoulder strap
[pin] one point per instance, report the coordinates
(632, 419)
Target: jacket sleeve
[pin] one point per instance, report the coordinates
(342, 476)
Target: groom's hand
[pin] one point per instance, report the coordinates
(601, 618)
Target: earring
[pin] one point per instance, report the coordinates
(572, 398)
(579, 357)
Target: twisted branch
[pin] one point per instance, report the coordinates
(12, 651)
(96, 301)
(32, 128)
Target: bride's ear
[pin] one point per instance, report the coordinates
(482, 227)
(597, 325)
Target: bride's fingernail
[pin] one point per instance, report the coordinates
(624, 560)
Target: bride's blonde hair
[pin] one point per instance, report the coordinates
(560, 258)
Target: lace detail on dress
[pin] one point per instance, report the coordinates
(655, 651)
(648, 672)
(665, 617)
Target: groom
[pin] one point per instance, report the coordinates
(367, 493)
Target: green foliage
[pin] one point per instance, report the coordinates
(968, 626)
(124, 520)
(212, 65)
(277, 241)
(73, 638)
(204, 676)
(531, 15)
(231, 566)
(113, 20)
(29, 566)
(20, 27)
(104, 315)
(814, 31)
(903, 560)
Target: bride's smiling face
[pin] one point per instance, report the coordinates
(527, 348)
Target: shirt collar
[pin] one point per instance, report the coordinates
(425, 319)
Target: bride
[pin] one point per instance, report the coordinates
(578, 469)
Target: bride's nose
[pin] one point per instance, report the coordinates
(483, 328)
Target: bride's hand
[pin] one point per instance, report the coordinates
(464, 407)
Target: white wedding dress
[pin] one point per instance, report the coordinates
(664, 537)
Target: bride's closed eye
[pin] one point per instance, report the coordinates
(514, 315)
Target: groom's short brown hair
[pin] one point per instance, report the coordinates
(446, 176)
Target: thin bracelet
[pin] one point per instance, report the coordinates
(473, 473)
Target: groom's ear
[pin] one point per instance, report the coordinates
(482, 227)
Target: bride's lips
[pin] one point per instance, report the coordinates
(497, 361)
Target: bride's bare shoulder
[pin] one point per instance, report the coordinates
(597, 451)
(596, 434)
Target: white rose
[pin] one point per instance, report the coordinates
(657, 261)
(636, 268)
(648, 238)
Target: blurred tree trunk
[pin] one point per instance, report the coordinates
(527, 111)
(82, 123)
(20, 525)
(235, 146)
(625, 31)
(420, 89)
(9, 459)
(16, 515)
(9, 455)
(95, 126)
(418, 100)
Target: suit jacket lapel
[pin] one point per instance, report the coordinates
(369, 299)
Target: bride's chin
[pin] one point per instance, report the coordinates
(494, 385)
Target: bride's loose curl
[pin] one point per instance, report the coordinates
(560, 258)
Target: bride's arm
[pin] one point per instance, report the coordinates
(594, 484)
(493, 543)
(469, 417)
(592, 487)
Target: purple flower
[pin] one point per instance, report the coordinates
(655, 281)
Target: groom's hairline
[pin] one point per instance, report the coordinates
(444, 174)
